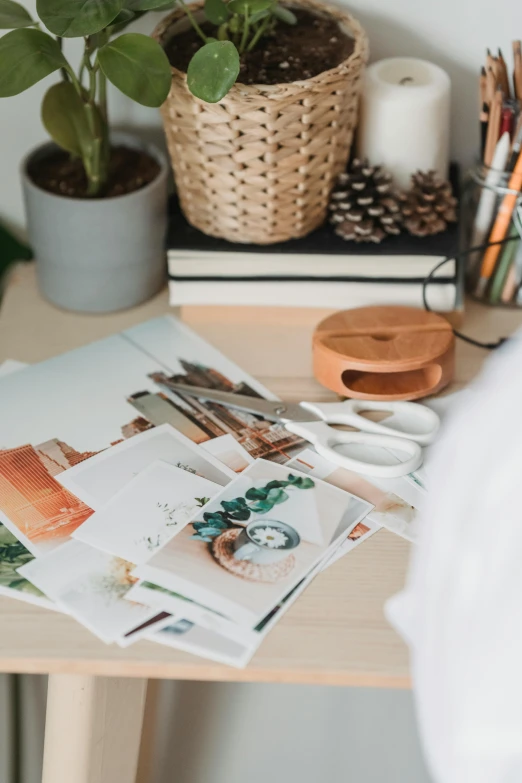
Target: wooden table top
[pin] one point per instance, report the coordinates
(336, 632)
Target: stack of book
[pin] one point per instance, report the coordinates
(319, 270)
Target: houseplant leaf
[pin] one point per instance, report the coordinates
(138, 66)
(26, 57)
(77, 18)
(213, 70)
(238, 6)
(124, 18)
(13, 15)
(148, 5)
(216, 11)
(258, 15)
(284, 14)
(255, 6)
(65, 120)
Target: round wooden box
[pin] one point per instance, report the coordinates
(384, 353)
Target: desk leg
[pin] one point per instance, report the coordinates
(93, 729)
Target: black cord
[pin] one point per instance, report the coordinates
(428, 279)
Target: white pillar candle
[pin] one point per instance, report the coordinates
(405, 117)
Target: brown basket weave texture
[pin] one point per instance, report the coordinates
(259, 166)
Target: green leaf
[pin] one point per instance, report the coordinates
(206, 539)
(239, 6)
(237, 504)
(258, 16)
(274, 484)
(11, 250)
(261, 506)
(210, 531)
(216, 519)
(77, 18)
(255, 6)
(213, 70)
(284, 14)
(216, 11)
(13, 15)
(65, 119)
(148, 5)
(276, 496)
(138, 66)
(26, 57)
(255, 493)
(124, 18)
(240, 516)
(301, 482)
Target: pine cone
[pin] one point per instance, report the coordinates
(363, 206)
(429, 205)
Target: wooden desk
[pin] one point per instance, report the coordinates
(335, 634)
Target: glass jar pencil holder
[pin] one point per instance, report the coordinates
(492, 230)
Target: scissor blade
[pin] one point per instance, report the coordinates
(274, 410)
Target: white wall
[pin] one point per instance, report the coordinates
(452, 33)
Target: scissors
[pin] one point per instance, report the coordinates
(387, 450)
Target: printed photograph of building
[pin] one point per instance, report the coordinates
(203, 420)
(30, 495)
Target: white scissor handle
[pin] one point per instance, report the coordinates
(410, 420)
(325, 438)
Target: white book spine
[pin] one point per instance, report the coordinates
(339, 296)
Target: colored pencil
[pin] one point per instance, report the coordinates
(491, 85)
(503, 78)
(517, 71)
(493, 133)
(500, 227)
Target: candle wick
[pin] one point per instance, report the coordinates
(406, 80)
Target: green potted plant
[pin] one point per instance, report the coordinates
(95, 201)
(261, 113)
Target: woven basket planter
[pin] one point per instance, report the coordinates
(258, 166)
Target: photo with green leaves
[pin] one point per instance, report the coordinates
(257, 500)
(14, 555)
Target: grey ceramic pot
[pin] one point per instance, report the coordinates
(99, 255)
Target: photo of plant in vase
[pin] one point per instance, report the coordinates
(242, 549)
(254, 541)
(263, 105)
(95, 201)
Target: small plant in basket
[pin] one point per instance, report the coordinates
(74, 111)
(240, 24)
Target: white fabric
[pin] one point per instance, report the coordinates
(461, 609)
